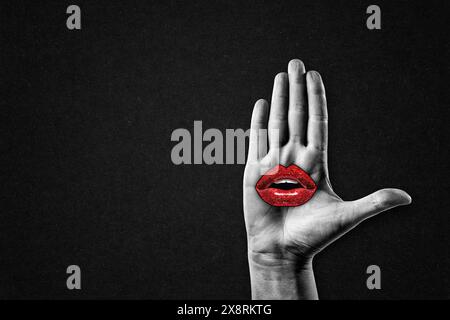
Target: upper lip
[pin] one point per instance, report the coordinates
(280, 172)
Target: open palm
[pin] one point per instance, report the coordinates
(297, 134)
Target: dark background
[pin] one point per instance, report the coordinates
(86, 174)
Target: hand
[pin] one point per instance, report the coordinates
(283, 240)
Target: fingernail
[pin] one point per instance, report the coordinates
(281, 76)
(314, 75)
(409, 199)
(296, 65)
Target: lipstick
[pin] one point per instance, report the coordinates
(286, 186)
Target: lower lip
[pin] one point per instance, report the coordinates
(286, 198)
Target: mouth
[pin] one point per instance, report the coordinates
(286, 186)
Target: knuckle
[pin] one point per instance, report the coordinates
(281, 96)
(319, 117)
(321, 147)
(382, 199)
(279, 116)
(317, 90)
(379, 200)
(298, 108)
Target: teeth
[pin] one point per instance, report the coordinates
(286, 194)
(286, 181)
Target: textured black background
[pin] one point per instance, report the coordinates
(85, 142)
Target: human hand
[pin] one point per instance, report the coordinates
(283, 240)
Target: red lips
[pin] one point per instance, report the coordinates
(286, 187)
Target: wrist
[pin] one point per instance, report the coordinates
(281, 258)
(276, 277)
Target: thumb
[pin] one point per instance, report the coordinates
(377, 202)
